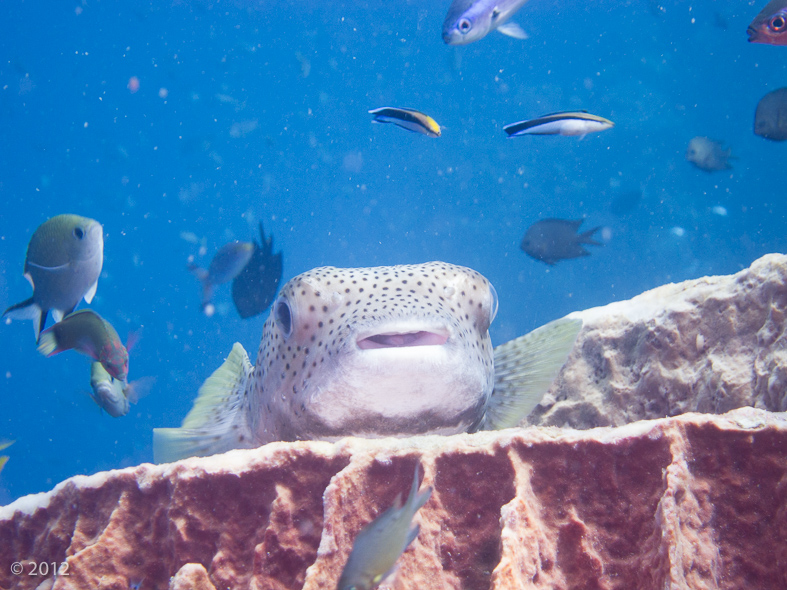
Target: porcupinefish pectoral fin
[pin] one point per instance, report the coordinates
(525, 368)
(218, 420)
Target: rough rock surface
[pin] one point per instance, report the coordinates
(696, 501)
(706, 345)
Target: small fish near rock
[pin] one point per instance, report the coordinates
(770, 25)
(63, 263)
(553, 240)
(409, 119)
(419, 333)
(113, 395)
(708, 154)
(254, 289)
(565, 123)
(379, 545)
(470, 20)
(770, 118)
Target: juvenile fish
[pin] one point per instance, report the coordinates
(471, 20)
(227, 264)
(113, 395)
(567, 123)
(409, 119)
(380, 544)
(87, 332)
(770, 25)
(254, 289)
(372, 352)
(708, 154)
(553, 240)
(770, 119)
(63, 263)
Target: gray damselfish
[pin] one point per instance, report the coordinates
(373, 352)
(63, 263)
(380, 544)
(471, 20)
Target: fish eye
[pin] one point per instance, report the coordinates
(777, 23)
(465, 25)
(494, 303)
(283, 317)
(78, 233)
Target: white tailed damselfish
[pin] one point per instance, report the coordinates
(409, 119)
(63, 262)
(568, 123)
(372, 352)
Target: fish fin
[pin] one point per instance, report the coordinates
(28, 310)
(586, 237)
(139, 388)
(47, 344)
(524, 370)
(91, 292)
(58, 315)
(512, 30)
(217, 421)
(3, 461)
(411, 536)
(4, 444)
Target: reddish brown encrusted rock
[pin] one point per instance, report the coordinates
(707, 345)
(696, 501)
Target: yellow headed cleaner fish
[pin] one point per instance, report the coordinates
(409, 119)
(63, 262)
(372, 352)
(87, 332)
(379, 545)
(3, 445)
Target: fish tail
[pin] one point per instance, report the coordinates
(28, 310)
(524, 370)
(218, 420)
(48, 345)
(586, 237)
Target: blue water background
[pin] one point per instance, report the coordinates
(257, 111)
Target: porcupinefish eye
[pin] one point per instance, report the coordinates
(465, 25)
(493, 313)
(777, 23)
(78, 232)
(283, 317)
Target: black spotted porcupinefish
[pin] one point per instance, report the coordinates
(373, 352)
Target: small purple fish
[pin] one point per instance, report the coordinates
(87, 332)
(770, 26)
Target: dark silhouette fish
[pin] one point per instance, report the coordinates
(553, 240)
(770, 26)
(227, 264)
(255, 287)
(770, 119)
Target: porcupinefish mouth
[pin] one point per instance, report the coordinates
(402, 339)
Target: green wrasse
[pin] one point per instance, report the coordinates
(87, 332)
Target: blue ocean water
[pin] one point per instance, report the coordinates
(257, 111)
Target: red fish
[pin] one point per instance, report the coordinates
(770, 26)
(87, 332)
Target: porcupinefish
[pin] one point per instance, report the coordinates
(372, 352)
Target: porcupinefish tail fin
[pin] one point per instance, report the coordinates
(28, 310)
(525, 368)
(218, 421)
